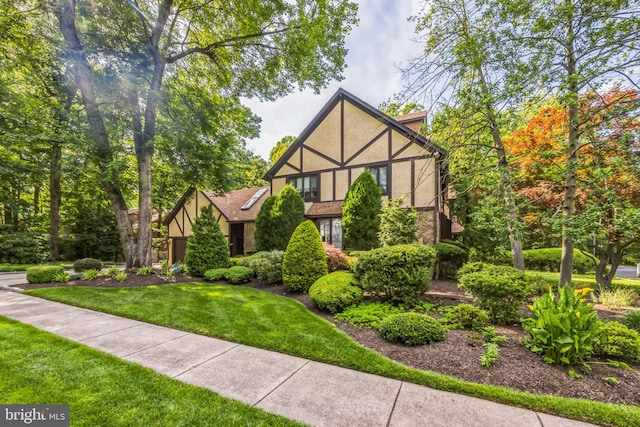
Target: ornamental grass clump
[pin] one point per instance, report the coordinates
(562, 330)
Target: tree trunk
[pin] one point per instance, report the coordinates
(55, 196)
(84, 80)
(569, 205)
(515, 236)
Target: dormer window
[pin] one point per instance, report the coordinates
(306, 185)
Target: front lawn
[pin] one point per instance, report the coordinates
(261, 319)
(102, 390)
(582, 280)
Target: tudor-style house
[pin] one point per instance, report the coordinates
(347, 137)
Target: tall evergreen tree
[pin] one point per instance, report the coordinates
(287, 214)
(264, 225)
(361, 213)
(398, 224)
(207, 247)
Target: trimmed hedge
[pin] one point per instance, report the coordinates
(398, 273)
(335, 292)
(85, 264)
(267, 266)
(411, 329)
(617, 341)
(466, 316)
(215, 274)
(238, 274)
(498, 289)
(548, 259)
(304, 260)
(44, 273)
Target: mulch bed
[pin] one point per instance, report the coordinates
(459, 354)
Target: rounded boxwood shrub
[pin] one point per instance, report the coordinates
(466, 316)
(44, 273)
(85, 264)
(238, 274)
(215, 274)
(304, 260)
(498, 289)
(335, 292)
(450, 258)
(399, 273)
(617, 340)
(411, 329)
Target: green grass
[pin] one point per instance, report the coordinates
(261, 319)
(102, 390)
(23, 267)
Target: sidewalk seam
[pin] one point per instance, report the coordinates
(395, 401)
(209, 359)
(539, 419)
(281, 383)
(155, 345)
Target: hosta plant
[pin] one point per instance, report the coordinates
(562, 329)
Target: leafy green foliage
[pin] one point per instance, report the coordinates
(265, 225)
(18, 246)
(562, 330)
(465, 316)
(336, 259)
(281, 146)
(113, 272)
(411, 329)
(398, 224)
(62, 277)
(618, 341)
(490, 355)
(399, 273)
(207, 247)
(500, 290)
(215, 274)
(121, 276)
(490, 335)
(92, 274)
(548, 259)
(335, 292)
(238, 274)
(361, 213)
(450, 258)
(44, 273)
(144, 271)
(632, 320)
(267, 266)
(368, 315)
(85, 264)
(304, 260)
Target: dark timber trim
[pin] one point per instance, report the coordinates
(324, 156)
(367, 145)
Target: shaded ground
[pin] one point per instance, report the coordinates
(459, 354)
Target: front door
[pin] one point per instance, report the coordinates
(331, 231)
(237, 239)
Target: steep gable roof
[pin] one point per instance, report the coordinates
(340, 95)
(230, 205)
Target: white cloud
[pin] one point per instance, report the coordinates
(378, 46)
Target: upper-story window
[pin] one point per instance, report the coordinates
(306, 185)
(380, 174)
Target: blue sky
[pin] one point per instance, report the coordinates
(378, 46)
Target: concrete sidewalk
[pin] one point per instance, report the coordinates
(314, 393)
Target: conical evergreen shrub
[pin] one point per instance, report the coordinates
(361, 213)
(207, 247)
(304, 260)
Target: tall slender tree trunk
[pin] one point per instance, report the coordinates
(55, 196)
(84, 80)
(515, 236)
(569, 205)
